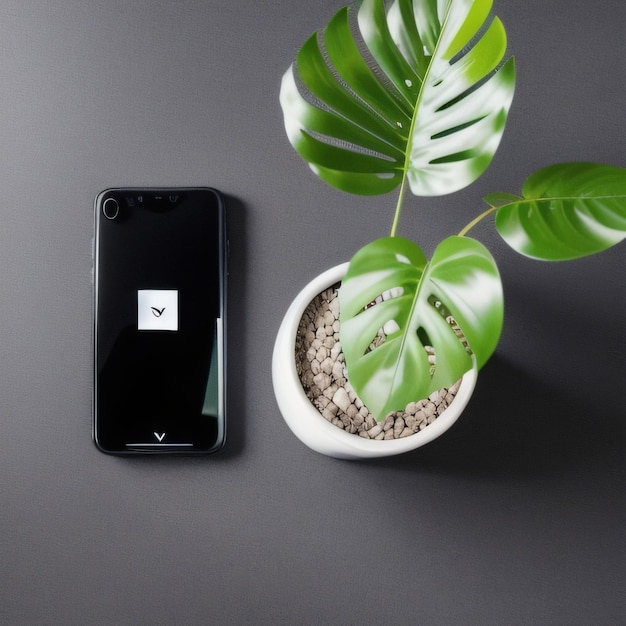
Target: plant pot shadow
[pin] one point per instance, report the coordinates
(516, 426)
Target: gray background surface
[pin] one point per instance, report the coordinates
(515, 516)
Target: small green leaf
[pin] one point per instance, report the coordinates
(450, 309)
(500, 199)
(568, 211)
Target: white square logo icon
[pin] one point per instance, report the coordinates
(157, 309)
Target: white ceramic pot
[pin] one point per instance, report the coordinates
(305, 420)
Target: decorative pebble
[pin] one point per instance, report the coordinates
(352, 411)
(328, 414)
(375, 431)
(341, 399)
(398, 427)
(337, 371)
(411, 408)
(330, 391)
(321, 366)
(322, 380)
(430, 409)
(327, 366)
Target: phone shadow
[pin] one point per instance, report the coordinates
(236, 344)
(517, 426)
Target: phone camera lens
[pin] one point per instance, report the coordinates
(110, 208)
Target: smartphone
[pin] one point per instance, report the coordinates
(159, 321)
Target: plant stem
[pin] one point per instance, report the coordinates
(396, 217)
(476, 220)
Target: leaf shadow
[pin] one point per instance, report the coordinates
(517, 426)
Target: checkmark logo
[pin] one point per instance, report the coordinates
(157, 309)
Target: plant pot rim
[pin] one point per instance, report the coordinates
(304, 419)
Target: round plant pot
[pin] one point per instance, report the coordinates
(304, 419)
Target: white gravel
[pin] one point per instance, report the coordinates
(321, 366)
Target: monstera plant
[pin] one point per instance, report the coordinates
(413, 95)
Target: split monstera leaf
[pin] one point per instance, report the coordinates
(432, 318)
(414, 94)
(411, 92)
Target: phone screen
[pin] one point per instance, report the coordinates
(159, 321)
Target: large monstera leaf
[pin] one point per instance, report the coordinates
(567, 211)
(409, 326)
(408, 89)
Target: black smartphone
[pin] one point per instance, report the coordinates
(160, 321)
